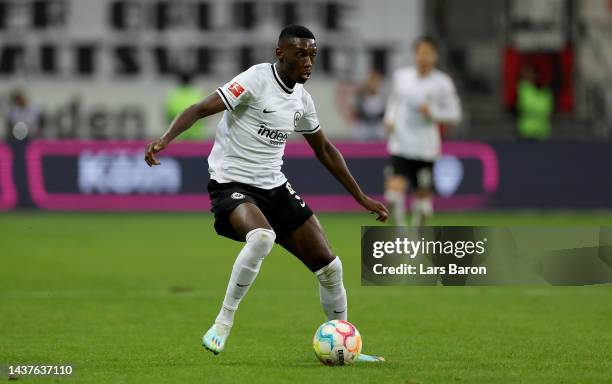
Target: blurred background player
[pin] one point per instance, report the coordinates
(534, 106)
(370, 108)
(422, 97)
(182, 97)
(23, 118)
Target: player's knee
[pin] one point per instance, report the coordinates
(423, 193)
(261, 239)
(331, 274)
(397, 183)
(336, 269)
(424, 179)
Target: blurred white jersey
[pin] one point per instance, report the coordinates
(414, 136)
(261, 113)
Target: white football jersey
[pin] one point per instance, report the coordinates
(261, 114)
(414, 136)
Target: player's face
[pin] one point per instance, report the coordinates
(425, 57)
(298, 57)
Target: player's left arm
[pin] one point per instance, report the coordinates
(446, 108)
(332, 159)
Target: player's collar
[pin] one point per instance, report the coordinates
(279, 81)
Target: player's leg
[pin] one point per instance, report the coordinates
(309, 244)
(250, 225)
(395, 195)
(300, 232)
(396, 185)
(422, 204)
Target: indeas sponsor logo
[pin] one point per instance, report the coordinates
(276, 137)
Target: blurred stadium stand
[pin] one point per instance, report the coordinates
(91, 64)
(99, 71)
(478, 40)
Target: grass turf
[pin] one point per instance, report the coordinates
(125, 298)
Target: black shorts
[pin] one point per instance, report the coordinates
(418, 172)
(282, 206)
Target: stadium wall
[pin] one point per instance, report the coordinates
(102, 69)
(112, 176)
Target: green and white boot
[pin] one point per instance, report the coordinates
(214, 339)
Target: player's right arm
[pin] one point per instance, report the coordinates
(209, 106)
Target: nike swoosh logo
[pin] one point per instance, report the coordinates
(340, 311)
(303, 204)
(242, 286)
(266, 111)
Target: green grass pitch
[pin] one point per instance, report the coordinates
(125, 298)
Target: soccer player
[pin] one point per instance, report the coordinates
(422, 97)
(251, 198)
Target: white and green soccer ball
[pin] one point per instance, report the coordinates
(337, 342)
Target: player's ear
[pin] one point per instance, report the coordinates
(280, 54)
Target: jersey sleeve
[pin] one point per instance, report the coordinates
(447, 107)
(392, 103)
(239, 90)
(309, 123)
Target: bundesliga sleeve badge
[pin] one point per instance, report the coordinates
(236, 89)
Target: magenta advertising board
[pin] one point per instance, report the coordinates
(117, 163)
(8, 194)
(112, 176)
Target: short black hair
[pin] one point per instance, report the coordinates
(427, 40)
(295, 31)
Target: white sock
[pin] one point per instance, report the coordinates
(331, 290)
(427, 207)
(259, 243)
(422, 209)
(416, 220)
(398, 206)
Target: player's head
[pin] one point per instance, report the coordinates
(295, 52)
(18, 97)
(425, 54)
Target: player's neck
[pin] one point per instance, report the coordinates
(285, 78)
(424, 72)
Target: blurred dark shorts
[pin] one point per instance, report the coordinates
(282, 206)
(418, 172)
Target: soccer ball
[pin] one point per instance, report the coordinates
(337, 342)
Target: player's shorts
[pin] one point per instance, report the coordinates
(418, 172)
(282, 206)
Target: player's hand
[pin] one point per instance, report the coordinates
(376, 207)
(424, 109)
(153, 148)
